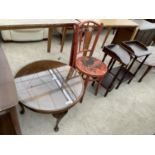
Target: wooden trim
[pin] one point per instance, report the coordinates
(50, 31)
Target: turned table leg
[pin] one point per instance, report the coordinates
(59, 117)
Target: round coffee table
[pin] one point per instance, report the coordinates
(49, 87)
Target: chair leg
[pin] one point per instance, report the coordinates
(98, 86)
(85, 87)
(93, 84)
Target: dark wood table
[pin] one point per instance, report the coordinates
(137, 51)
(119, 66)
(49, 87)
(9, 124)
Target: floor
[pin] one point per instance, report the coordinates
(129, 110)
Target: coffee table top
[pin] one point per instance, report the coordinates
(50, 90)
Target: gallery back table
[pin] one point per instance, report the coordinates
(11, 24)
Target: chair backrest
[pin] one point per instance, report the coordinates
(86, 35)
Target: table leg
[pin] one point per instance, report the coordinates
(50, 31)
(14, 119)
(64, 31)
(139, 67)
(22, 108)
(134, 33)
(106, 36)
(59, 117)
(145, 73)
(85, 87)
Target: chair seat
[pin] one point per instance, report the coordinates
(91, 66)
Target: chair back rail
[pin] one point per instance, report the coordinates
(86, 35)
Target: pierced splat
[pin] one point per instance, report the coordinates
(87, 37)
(87, 41)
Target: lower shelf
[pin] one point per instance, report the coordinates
(110, 76)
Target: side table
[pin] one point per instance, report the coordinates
(150, 62)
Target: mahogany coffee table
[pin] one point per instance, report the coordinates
(49, 87)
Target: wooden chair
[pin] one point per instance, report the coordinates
(118, 67)
(86, 36)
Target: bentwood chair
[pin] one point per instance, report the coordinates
(85, 40)
(118, 66)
